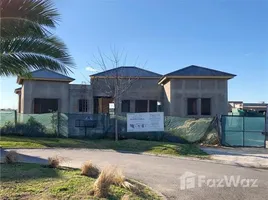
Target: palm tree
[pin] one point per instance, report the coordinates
(26, 42)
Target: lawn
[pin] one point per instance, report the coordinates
(122, 145)
(33, 181)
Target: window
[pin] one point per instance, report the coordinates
(45, 105)
(153, 106)
(205, 106)
(125, 107)
(141, 106)
(83, 107)
(192, 106)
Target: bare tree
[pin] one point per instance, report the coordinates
(116, 81)
(83, 97)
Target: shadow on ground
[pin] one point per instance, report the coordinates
(19, 171)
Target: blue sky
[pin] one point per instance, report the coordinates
(228, 35)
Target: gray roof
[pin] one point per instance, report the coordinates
(46, 74)
(255, 104)
(128, 71)
(194, 70)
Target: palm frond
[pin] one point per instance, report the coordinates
(51, 46)
(23, 62)
(27, 17)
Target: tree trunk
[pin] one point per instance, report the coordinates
(116, 111)
(116, 103)
(116, 128)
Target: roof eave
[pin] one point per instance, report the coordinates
(20, 79)
(164, 78)
(125, 77)
(17, 90)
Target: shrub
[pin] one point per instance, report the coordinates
(54, 161)
(31, 128)
(11, 157)
(88, 169)
(34, 128)
(8, 128)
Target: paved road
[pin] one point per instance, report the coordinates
(163, 173)
(254, 157)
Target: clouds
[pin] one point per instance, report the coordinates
(91, 69)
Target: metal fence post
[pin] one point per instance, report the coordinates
(222, 132)
(58, 123)
(15, 120)
(243, 131)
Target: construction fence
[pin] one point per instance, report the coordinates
(243, 131)
(177, 129)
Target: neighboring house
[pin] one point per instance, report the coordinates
(189, 92)
(235, 104)
(258, 107)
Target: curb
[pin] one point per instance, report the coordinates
(144, 185)
(205, 159)
(211, 160)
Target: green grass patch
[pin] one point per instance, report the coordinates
(33, 181)
(122, 145)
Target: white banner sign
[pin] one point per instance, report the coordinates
(145, 122)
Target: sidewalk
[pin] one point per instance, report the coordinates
(246, 157)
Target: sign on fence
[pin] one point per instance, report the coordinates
(145, 122)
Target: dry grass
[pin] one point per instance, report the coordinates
(108, 176)
(11, 157)
(88, 169)
(54, 161)
(125, 197)
(119, 177)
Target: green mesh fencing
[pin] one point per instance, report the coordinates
(202, 130)
(35, 125)
(6, 116)
(243, 131)
(45, 119)
(177, 129)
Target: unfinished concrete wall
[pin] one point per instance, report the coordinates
(44, 89)
(181, 89)
(80, 91)
(167, 98)
(146, 88)
(22, 100)
(137, 89)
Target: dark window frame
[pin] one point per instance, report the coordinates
(192, 110)
(127, 104)
(206, 109)
(45, 105)
(141, 107)
(152, 105)
(83, 105)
